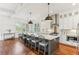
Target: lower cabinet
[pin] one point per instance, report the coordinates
(53, 46)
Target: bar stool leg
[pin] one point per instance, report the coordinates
(28, 43)
(38, 48)
(35, 46)
(44, 50)
(31, 45)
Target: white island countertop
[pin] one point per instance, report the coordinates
(47, 36)
(50, 37)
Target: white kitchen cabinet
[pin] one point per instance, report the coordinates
(62, 23)
(76, 21)
(65, 23)
(69, 22)
(45, 26)
(42, 27)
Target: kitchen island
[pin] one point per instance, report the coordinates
(53, 42)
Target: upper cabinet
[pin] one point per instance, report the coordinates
(49, 26)
(69, 22)
(45, 26)
(76, 21)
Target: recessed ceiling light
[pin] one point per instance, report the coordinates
(73, 4)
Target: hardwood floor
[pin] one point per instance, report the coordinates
(16, 47)
(66, 50)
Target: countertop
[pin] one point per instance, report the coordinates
(50, 37)
(71, 43)
(47, 36)
(72, 35)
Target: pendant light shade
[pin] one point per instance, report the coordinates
(48, 17)
(30, 22)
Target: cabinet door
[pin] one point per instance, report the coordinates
(66, 23)
(76, 21)
(42, 27)
(69, 23)
(45, 26)
(61, 22)
(72, 22)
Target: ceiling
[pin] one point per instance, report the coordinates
(21, 10)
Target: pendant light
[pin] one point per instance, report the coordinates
(48, 17)
(30, 22)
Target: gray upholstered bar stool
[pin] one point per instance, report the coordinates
(28, 40)
(35, 43)
(43, 45)
(32, 38)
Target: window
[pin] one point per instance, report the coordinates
(36, 27)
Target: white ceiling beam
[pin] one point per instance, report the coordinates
(17, 9)
(6, 10)
(8, 16)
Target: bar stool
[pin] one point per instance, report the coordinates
(24, 38)
(43, 45)
(35, 43)
(28, 38)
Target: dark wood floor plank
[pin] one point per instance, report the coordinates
(66, 50)
(14, 47)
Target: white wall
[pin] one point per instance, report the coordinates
(10, 22)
